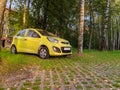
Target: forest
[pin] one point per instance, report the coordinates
(87, 24)
(91, 26)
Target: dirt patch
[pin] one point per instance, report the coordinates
(14, 79)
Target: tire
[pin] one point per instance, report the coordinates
(13, 50)
(43, 53)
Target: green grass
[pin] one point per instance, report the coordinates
(36, 87)
(14, 62)
(116, 85)
(1, 88)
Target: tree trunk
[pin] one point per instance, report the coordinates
(81, 28)
(2, 9)
(118, 34)
(118, 40)
(111, 36)
(104, 33)
(115, 37)
(24, 15)
(90, 27)
(28, 4)
(99, 18)
(9, 12)
(45, 14)
(28, 13)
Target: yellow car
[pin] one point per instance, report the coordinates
(40, 42)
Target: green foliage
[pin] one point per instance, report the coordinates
(56, 16)
(61, 17)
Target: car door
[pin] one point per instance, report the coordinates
(20, 41)
(32, 41)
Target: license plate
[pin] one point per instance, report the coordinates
(66, 48)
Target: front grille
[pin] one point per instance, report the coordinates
(65, 51)
(65, 42)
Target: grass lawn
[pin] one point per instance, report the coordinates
(94, 70)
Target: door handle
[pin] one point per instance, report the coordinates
(25, 39)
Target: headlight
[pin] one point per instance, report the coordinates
(52, 40)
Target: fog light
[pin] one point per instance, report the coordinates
(56, 49)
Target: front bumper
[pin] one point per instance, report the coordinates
(59, 51)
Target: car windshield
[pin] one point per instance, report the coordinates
(45, 33)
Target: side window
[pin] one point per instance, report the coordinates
(21, 33)
(29, 33)
(33, 34)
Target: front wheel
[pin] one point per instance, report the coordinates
(43, 53)
(13, 49)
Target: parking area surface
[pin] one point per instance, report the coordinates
(69, 76)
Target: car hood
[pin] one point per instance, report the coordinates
(59, 39)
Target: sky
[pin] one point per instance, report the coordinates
(8, 3)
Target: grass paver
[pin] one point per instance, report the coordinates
(60, 80)
(93, 71)
(51, 80)
(42, 80)
(69, 81)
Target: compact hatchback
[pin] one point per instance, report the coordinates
(40, 42)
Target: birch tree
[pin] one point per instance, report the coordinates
(104, 43)
(9, 13)
(81, 28)
(24, 15)
(91, 24)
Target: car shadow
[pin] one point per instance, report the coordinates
(50, 58)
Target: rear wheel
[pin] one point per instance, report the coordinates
(13, 49)
(43, 53)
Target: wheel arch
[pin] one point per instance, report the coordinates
(13, 45)
(43, 46)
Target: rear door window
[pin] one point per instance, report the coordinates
(33, 34)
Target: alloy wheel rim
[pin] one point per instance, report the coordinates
(43, 53)
(13, 49)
